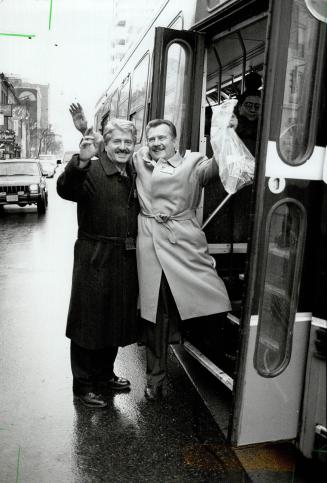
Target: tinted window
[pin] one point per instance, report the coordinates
(138, 97)
(300, 89)
(123, 100)
(177, 81)
(283, 250)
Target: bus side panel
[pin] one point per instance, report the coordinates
(273, 415)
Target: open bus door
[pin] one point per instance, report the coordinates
(177, 82)
(279, 301)
(272, 311)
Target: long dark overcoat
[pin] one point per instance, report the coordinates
(103, 304)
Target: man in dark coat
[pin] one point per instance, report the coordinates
(103, 307)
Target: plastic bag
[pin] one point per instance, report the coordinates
(236, 163)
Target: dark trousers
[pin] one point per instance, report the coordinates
(91, 368)
(157, 336)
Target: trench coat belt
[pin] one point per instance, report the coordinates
(83, 235)
(166, 220)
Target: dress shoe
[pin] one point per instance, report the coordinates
(91, 400)
(119, 383)
(153, 393)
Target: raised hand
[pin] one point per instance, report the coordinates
(90, 144)
(79, 118)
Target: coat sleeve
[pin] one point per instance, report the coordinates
(207, 169)
(71, 184)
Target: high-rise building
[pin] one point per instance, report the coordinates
(128, 22)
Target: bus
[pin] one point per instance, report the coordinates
(262, 372)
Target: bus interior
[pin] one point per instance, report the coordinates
(231, 58)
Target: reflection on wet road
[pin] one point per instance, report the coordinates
(44, 436)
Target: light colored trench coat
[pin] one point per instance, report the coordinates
(170, 238)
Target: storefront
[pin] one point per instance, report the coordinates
(8, 147)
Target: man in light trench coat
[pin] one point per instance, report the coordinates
(103, 306)
(177, 277)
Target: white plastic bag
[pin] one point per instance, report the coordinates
(236, 163)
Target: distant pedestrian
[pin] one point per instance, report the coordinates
(103, 307)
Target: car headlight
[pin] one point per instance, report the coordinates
(34, 188)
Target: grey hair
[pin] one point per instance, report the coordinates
(122, 125)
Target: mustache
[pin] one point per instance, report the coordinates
(122, 151)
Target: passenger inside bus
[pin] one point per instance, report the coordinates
(230, 229)
(247, 111)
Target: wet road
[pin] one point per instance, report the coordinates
(44, 436)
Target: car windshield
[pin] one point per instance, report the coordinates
(46, 164)
(48, 157)
(21, 169)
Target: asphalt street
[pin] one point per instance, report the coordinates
(44, 436)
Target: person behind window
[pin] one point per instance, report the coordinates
(247, 111)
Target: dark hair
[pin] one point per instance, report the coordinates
(158, 122)
(246, 94)
(253, 81)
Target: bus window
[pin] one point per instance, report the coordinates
(113, 105)
(300, 87)
(123, 100)
(103, 114)
(138, 95)
(212, 4)
(176, 90)
(284, 245)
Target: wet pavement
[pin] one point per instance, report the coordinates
(44, 436)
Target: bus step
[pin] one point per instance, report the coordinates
(209, 365)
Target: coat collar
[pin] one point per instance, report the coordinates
(109, 167)
(173, 161)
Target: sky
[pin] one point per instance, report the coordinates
(69, 50)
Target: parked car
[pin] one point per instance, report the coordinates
(22, 182)
(48, 168)
(68, 156)
(52, 158)
(49, 158)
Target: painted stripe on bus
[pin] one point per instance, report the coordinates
(299, 317)
(312, 169)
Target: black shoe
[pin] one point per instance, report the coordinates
(153, 393)
(119, 383)
(91, 400)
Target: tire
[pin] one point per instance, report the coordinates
(41, 206)
(22, 204)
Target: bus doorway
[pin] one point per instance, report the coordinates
(263, 237)
(234, 69)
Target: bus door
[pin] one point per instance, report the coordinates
(290, 163)
(234, 66)
(177, 83)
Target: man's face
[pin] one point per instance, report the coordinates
(120, 146)
(160, 142)
(250, 108)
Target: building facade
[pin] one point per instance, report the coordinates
(10, 147)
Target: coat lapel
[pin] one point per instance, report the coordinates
(108, 166)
